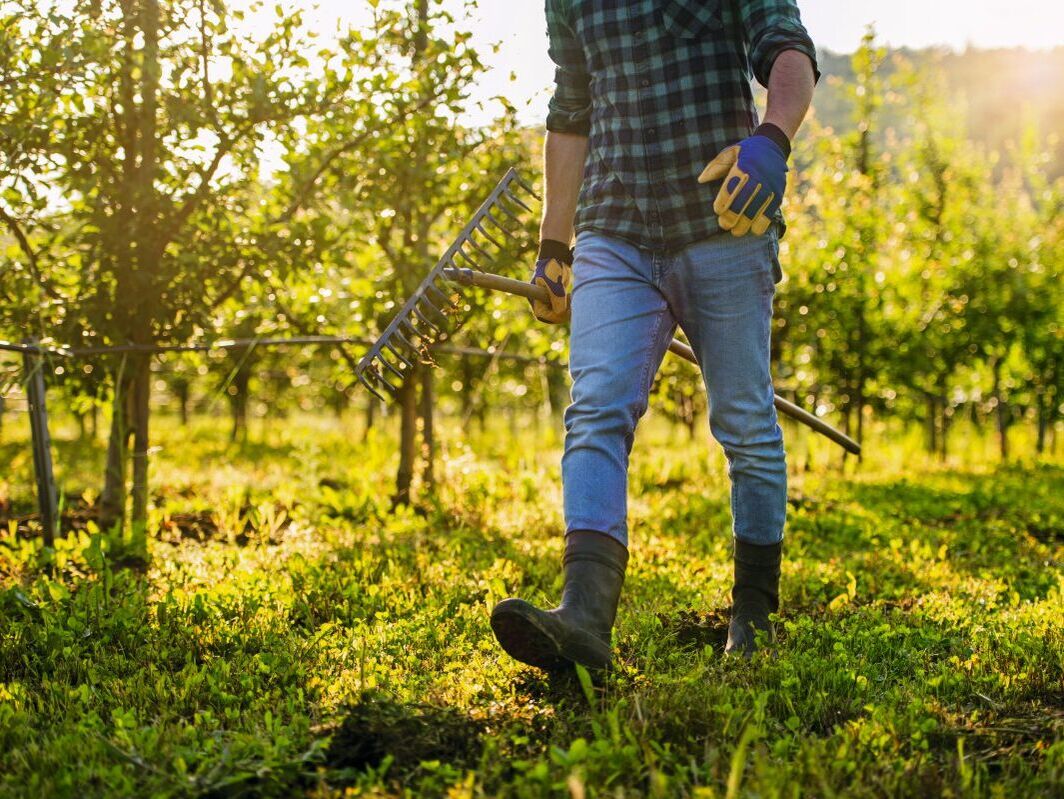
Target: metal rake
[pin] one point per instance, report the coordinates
(435, 310)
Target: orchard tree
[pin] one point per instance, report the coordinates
(944, 186)
(830, 310)
(133, 191)
(411, 192)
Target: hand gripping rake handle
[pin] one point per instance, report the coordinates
(468, 277)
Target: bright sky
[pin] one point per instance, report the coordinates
(518, 27)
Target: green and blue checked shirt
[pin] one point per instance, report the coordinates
(660, 87)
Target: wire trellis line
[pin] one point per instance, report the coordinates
(230, 344)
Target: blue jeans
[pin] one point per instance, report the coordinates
(627, 303)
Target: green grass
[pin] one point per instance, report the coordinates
(294, 637)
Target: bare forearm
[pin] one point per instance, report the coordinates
(563, 170)
(790, 91)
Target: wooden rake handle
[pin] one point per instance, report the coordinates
(519, 288)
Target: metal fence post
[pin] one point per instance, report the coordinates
(47, 493)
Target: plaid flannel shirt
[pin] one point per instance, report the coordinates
(660, 87)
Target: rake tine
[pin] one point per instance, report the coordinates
(397, 372)
(422, 348)
(379, 360)
(406, 342)
(375, 373)
(467, 259)
(393, 390)
(480, 229)
(402, 358)
(509, 195)
(482, 251)
(415, 333)
(365, 381)
(491, 218)
(438, 311)
(431, 325)
(520, 182)
(449, 299)
(502, 207)
(421, 353)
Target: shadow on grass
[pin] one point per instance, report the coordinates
(693, 629)
(377, 727)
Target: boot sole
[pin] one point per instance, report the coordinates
(523, 637)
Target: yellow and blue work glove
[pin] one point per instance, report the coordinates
(554, 272)
(755, 176)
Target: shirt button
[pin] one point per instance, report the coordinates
(652, 132)
(645, 83)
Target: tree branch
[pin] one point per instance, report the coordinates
(28, 251)
(304, 192)
(196, 198)
(305, 329)
(232, 287)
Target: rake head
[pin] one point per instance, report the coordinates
(495, 234)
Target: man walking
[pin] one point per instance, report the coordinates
(647, 93)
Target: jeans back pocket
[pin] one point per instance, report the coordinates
(691, 19)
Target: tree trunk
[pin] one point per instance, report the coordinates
(371, 416)
(1001, 413)
(687, 414)
(943, 437)
(238, 404)
(847, 426)
(931, 425)
(338, 401)
(1043, 422)
(428, 430)
(141, 413)
(467, 379)
(1003, 430)
(407, 439)
(181, 388)
(860, 411)
(113, 495)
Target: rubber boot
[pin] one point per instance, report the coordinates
(756, 594)
(579, 629)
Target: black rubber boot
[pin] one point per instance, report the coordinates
(756, 594)
(579, 629)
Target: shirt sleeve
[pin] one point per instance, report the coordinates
(772, 26)
(569, 110)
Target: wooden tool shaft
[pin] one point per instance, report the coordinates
(520, 288)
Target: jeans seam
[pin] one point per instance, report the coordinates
(643, 380)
